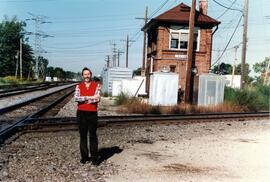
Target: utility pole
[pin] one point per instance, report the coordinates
(244, 47)
(108, 61)
(144, 41)
(127, 46)
(218, 71)
(234, 63)
(190, 52)
(17, 64)
(118, 56)
(21, 42)
(114, 51)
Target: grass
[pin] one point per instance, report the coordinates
(250, 99)
(12, 80)
(139, 106)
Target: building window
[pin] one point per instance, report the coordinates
(174, 40)
(172, 68)
(179, 39)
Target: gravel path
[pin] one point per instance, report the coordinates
(211, 151)
(4, 102)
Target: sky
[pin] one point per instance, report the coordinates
(84, 31)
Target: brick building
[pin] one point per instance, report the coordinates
(167, 39)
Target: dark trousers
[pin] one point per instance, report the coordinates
(88, 123)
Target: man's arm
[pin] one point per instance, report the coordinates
(77, 95)
(96, 96)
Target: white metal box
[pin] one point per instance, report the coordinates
(211, 89)
(163, 89)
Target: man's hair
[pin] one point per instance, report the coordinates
(84, 69)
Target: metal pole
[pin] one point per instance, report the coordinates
(21, 58)
(17, 64)
(190, 52)
(235, 60)
(244, 47)
(127, 45)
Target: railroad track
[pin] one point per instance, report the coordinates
(29, 88)
(59, 124)
(15, 115)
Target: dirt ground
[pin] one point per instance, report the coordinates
(226, 153)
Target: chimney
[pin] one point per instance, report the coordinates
(203, 5)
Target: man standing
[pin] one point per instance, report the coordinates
(87, 94)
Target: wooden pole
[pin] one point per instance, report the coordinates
(190, 52)
(244, 47)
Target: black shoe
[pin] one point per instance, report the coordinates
(83, 161)
(95, 161)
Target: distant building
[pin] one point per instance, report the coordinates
(167, 41)
(110, 74)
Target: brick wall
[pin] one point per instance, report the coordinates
(166, 57)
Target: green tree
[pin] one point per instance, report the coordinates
(28, 62)
(11, 31)
(137, 71)
(42, 66)
(263, 69)
(263, 66)
(223, 68)
(59, 73)
(50, 71)
(247, 78)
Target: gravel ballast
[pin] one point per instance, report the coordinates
(210, 151)
(8, 101)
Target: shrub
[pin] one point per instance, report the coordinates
(11, 80)
(251, 98)
(122, 98)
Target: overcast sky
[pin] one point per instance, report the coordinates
(84, 30)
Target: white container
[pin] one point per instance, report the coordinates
(55, 79)
(116, 87)
(48, 79)
(233, 81)
(163, 89)
(211, 89)
(141, 82)
(133, 86)
(114, 73)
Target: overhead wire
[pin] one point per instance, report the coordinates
(229, 41)
(222, 14)
(229, 8)
(151, 16)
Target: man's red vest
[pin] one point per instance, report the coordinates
(92, 107)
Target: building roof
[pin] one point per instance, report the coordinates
(180, 15)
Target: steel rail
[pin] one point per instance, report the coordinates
(22, 91)
(23, 86)
(12, 92)
(18, 105)
(12, 129)
(104, 120)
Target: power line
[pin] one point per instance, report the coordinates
(151, 16)
(159, 8)
(239, 21)
(226, 10)
(79, 47)
(229, 8)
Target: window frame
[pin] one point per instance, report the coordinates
(184, 30)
